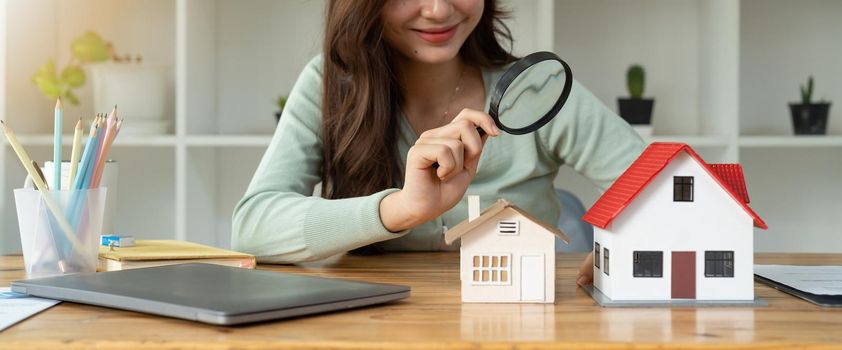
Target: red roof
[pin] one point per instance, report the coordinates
(732, 175)
(654, 159)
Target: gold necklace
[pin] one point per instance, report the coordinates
(455, 92)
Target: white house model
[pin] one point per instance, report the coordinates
(674, 228)
(507, 256)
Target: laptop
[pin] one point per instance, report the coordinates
(212, 294)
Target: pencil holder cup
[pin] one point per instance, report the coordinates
(109, 180)
(59, 230)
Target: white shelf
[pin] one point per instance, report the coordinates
(228, 140)
(693, 141)
(791, 141)
(121, 141)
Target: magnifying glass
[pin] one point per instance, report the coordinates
(530, 93)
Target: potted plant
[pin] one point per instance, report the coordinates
(809, 118)
(85, 49)
(140, 89)
(280, 103)
(637, 110)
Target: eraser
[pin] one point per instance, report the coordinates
(117, 240)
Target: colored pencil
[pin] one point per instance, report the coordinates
(90, 146)
(102, 155)
(75, 152)
(111, 136)
(59, 117)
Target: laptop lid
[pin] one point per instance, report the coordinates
(212, 293)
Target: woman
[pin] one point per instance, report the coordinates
(401, 85)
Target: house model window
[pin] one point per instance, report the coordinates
(596, 254)
(648, 264)
(508, 227)
(719, 264)
(491, 269)
(605, 263)
(682, 189)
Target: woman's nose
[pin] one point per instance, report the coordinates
(436, 9)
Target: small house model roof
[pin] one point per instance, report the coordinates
(650, 163)
(467, 226)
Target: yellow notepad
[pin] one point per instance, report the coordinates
(148, 253)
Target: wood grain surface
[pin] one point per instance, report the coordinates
(434, 317)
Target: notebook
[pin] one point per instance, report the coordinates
(820, 285)
(149, 253)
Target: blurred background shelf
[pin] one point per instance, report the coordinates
(693, 141)
(123, 140)
(721, 71)
(228, 140)
(791, 141)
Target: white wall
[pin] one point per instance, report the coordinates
(484, 240)
(600, 39)
(713, 221)
(782, 42)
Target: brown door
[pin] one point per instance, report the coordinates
(684, 275)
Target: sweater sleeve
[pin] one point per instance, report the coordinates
(278, 219)
(591, 138)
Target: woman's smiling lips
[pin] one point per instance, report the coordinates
(437, 35)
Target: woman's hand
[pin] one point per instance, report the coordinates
(427, 191)
(585, 276)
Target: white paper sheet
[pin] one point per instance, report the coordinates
(15, 307)
(821, 280)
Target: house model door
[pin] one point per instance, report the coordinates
(684, 275)
(532, 278)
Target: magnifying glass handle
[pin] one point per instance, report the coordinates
(481, 134)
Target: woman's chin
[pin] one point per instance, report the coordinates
(434, 55)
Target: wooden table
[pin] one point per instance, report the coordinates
(434, 317)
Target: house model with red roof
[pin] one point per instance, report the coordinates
(507, 255)
(674, 228)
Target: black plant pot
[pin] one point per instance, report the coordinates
(809, 119)
(278, 116)
(636, 111)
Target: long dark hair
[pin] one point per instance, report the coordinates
(362, 93)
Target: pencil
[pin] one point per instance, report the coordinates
(111, 135)
(101, 152)
(86, 155)
(66, 229)
(75, 152)
(40, 173)
(59, 116)
(97, 142)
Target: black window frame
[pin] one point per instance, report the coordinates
(648, 264)
(596, 255)
(682, 189)
(605, 262)
(717, 263)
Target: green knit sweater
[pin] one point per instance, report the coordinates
(281, 221)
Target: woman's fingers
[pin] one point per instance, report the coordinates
(457, 150)
(464, 128)
(423, 156)
(479, 119)
(585, 276)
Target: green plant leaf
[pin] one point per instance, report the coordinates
(281, 102)
(47, 81)
(73, 75)
(69, 96)
(90, 47)
(636, 80)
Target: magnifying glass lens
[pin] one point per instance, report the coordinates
(532, 94)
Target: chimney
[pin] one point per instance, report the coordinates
(473, 207)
